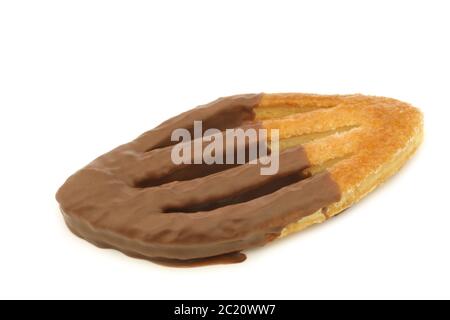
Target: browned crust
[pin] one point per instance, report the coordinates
(385, 134)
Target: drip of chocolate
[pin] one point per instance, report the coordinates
(136, 200)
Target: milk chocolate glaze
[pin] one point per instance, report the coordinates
(134, 199)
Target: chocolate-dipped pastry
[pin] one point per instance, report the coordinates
(333, 151)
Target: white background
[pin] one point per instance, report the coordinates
(78, 78)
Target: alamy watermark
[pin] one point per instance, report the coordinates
(232, 147)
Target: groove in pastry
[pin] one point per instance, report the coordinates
(260, 191)
(302, 139)
(283, 111)
(185, 174)
(237, 185)
(313, 170)
(170, 172)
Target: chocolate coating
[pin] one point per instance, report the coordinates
(135, 199)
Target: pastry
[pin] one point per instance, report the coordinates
(333, 151)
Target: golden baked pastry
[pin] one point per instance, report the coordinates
(334, 151)
(360, 140)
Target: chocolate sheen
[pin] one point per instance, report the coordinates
(136, 200)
